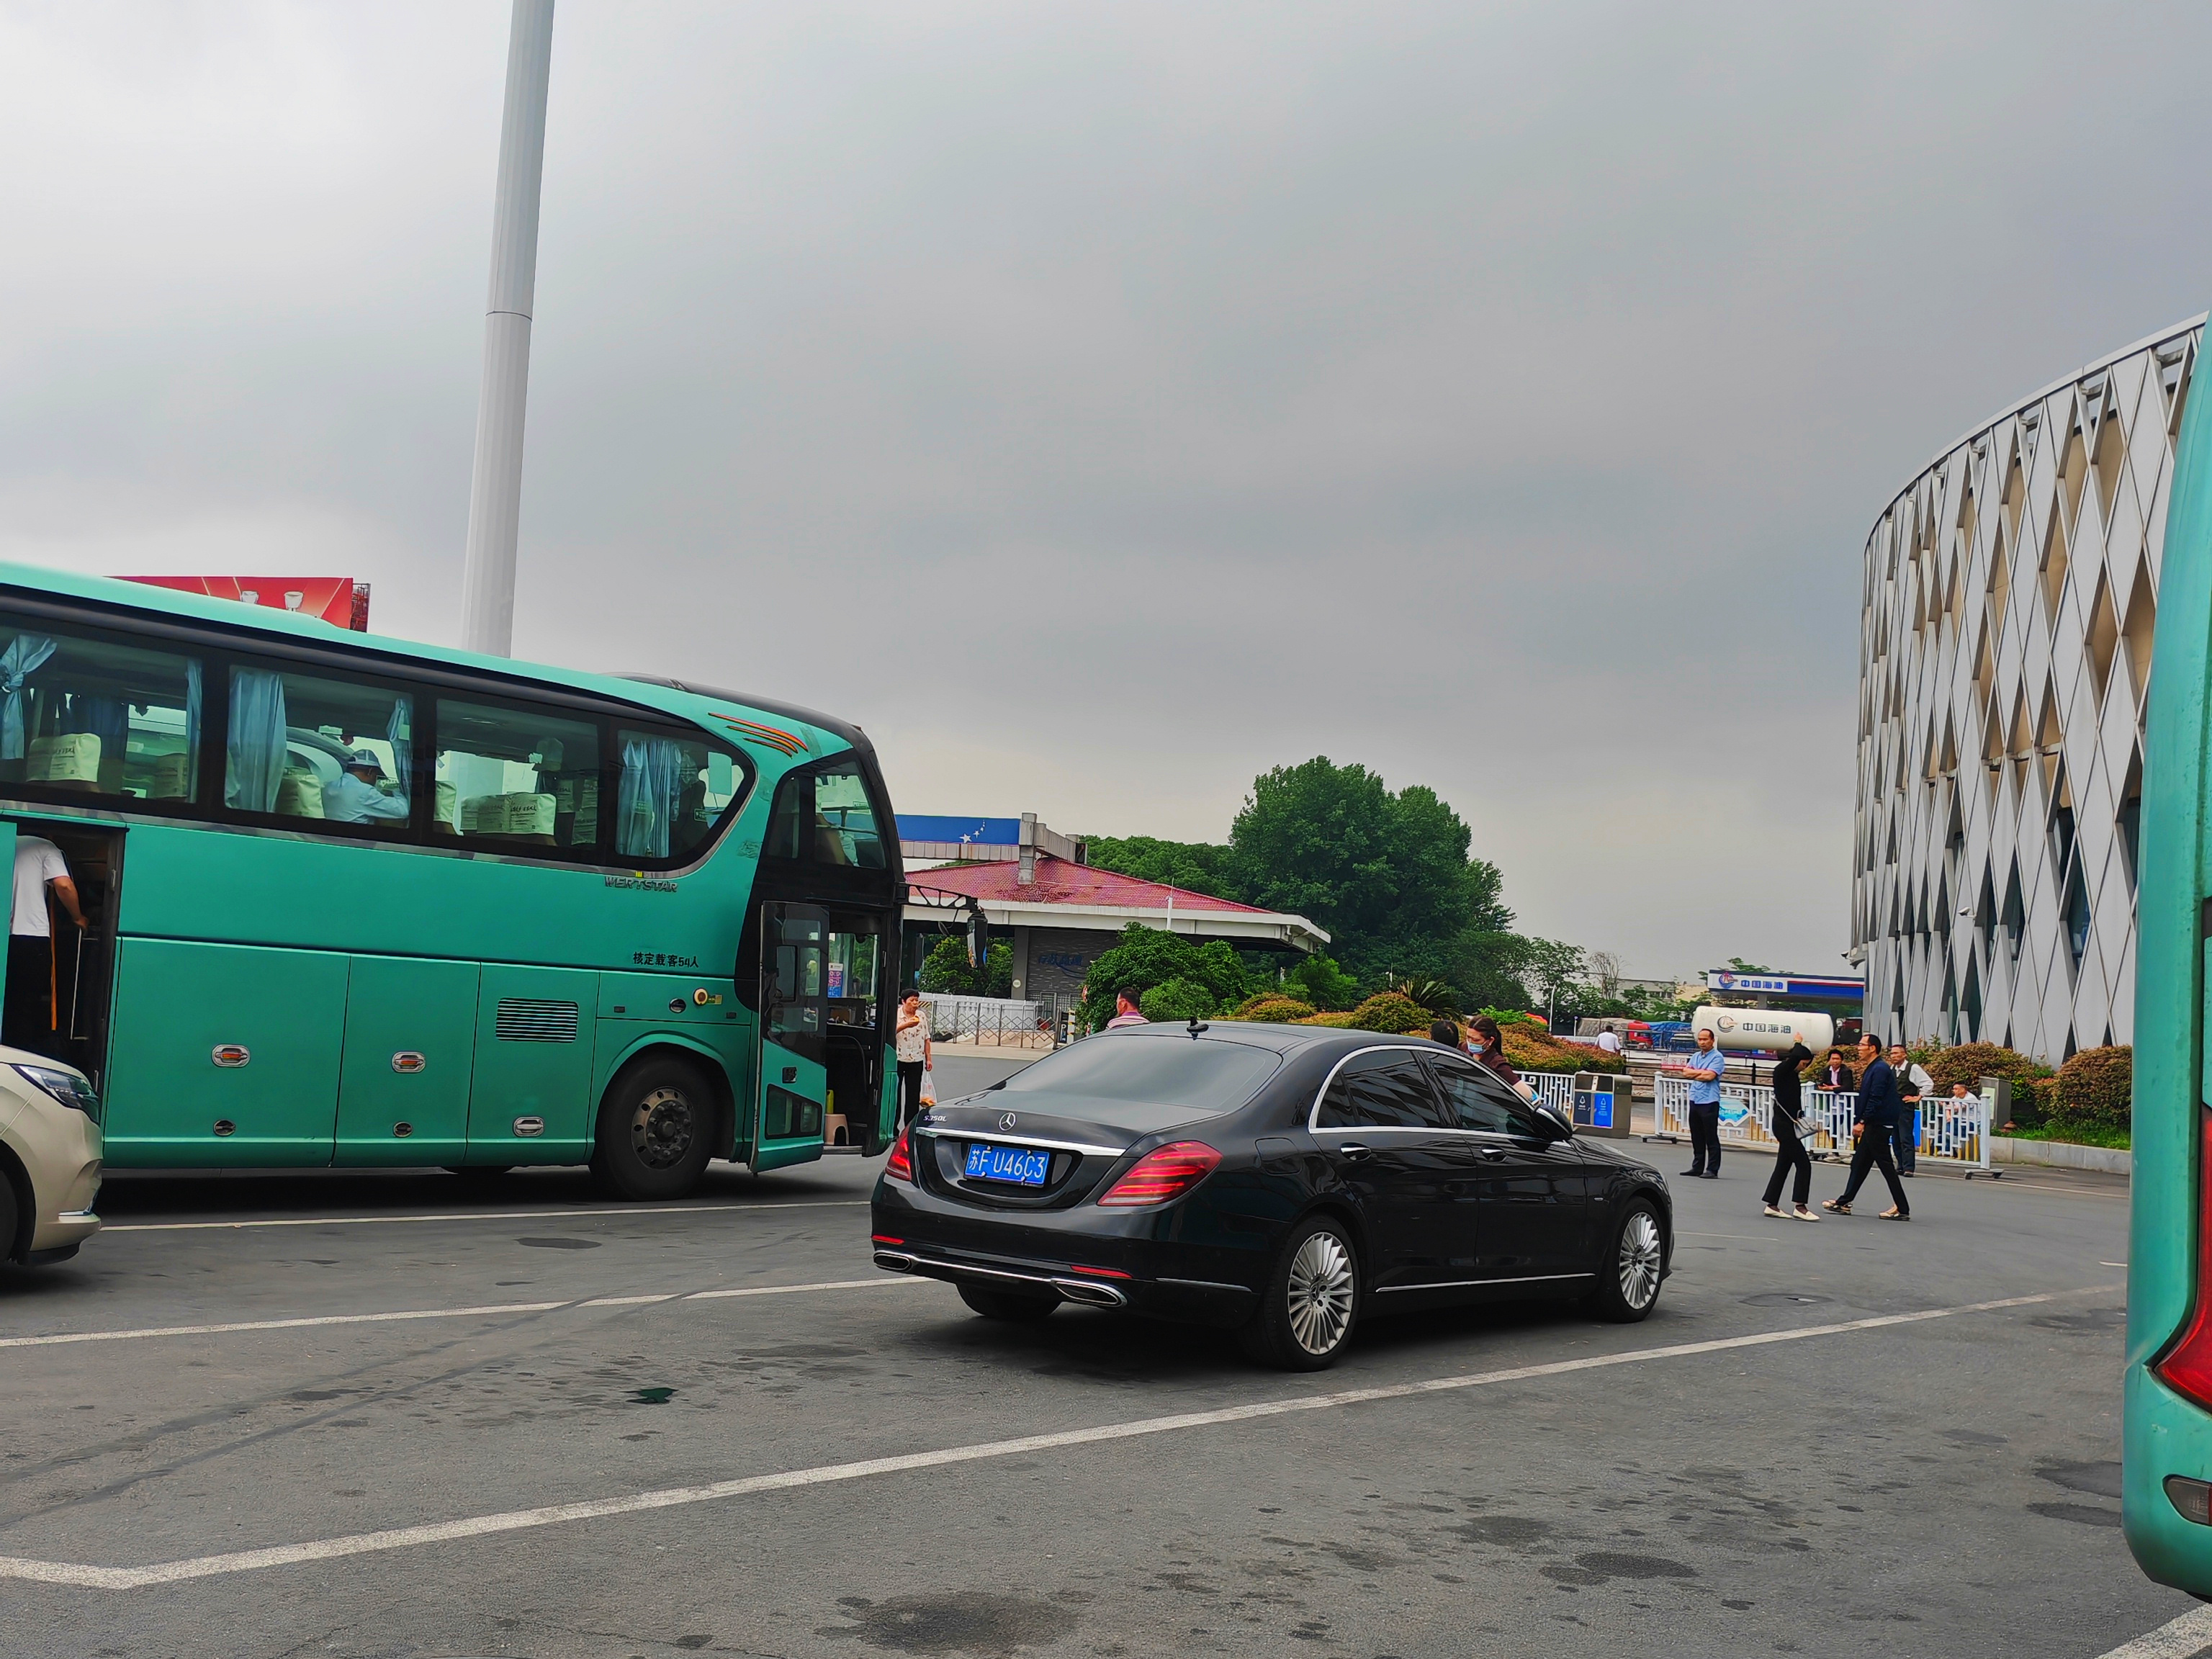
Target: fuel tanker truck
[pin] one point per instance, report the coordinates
(1765, 1031)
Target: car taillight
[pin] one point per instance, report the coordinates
(1167, 1172)
(898, 1166)
(2186, 1367)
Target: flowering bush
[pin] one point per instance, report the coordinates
(1390, 1011)
(1271, 1010)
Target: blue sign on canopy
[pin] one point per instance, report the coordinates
(1787, 985)
(976, 832)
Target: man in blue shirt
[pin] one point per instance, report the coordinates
(1705, 1070)
(1876, 1123)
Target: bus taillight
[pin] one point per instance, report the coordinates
(2186, 1367)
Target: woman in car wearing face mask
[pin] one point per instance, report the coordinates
(1485, 1047)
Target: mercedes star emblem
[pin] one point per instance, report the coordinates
(1007, 1121)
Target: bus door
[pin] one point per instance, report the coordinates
(859, 997)
(794, 1079)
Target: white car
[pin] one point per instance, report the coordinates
(50, 1153)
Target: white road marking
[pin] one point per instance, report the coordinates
(87, 1577)
(2188, 1635)
(60, 1338)
(479, 1215)
(876, 1284)
(1741, 1238)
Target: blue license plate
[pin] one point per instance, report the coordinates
(1022, 1165)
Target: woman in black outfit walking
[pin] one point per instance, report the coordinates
(1790, 1151)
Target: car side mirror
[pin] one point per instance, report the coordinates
(1557, 1127)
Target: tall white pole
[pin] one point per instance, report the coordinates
(496, 488)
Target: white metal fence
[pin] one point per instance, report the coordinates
(1952, 1131)
(1555, 1089)
(988, 1022)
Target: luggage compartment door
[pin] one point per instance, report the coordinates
(224, 1056)
(529, 1098)
(410, 1032)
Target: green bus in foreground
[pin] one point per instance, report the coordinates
(352, 902)
(2167, 1472)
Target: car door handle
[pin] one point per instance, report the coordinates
(1491, 1154)
(1354, 1150)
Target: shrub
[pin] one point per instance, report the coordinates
(2093, 1089)
(1147, 958)
(1530, 1047)
(1340, 1021)
(1319, 981)
(1176, 1000)
(1273, 1010)
(1438, 998)
(1390, 1011)
(1970, 1062)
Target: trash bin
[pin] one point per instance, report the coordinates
(1601, 1105)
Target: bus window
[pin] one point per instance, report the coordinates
(86, 716)
(516, 777)
(306, 748)
(823, 813)
(673, 793)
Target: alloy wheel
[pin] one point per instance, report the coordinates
(661, 1129)
(1640, 1260)
(1320, 1292)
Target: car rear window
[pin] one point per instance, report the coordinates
(1213, 1077)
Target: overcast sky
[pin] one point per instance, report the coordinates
(1102, 404)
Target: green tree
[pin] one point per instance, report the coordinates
(1147, 957)
(1387, 875)
(1200, 866)
(945, 970)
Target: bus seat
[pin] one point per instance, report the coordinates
(298, 795)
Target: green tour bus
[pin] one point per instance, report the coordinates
(354, 902)
(2167, 1472)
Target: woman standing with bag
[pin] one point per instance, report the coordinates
(1791, 1128)
(911, 1044)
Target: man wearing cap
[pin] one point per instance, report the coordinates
(355, 798)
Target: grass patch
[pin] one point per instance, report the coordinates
(2075, 1134)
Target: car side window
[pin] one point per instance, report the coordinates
(1380, 1092)
(1480, 1102)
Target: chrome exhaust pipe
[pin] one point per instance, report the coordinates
(896, 1261)
(1090, 1292)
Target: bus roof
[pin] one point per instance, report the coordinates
(691, 700)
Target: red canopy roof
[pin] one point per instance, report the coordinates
(1058, 881)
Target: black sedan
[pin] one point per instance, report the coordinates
(1277, 1180)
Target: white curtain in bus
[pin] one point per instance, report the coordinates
(645, 807)
(254, 763)
(399, 732)
(17, 663)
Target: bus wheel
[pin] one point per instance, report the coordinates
(656, 1131)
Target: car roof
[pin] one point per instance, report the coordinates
(1285, 1040)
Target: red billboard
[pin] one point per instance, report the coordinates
(339, 600)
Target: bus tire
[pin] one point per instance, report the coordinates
(656, 1130)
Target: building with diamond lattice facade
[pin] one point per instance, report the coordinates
(2004, 647)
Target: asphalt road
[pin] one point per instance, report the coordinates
(1944, 1485)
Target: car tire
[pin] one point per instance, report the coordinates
(1010, 1306)
(655, 1131)
(1311, 1301)
(1629, 1277)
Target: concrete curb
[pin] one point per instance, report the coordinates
(2060, 1154)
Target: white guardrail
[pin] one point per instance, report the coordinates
(1952, 1131)
(1555, 1089)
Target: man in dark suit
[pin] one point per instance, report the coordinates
(1875, 1124)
